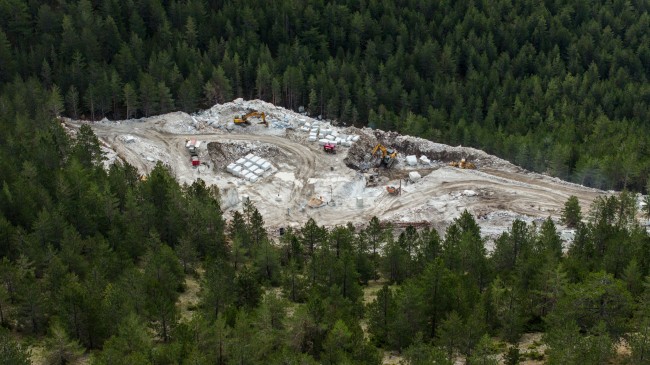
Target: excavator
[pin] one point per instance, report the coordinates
(463, 164)
(244, 119)
(388, 155)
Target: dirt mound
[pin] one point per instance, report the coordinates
(225, 153)
(277, 117)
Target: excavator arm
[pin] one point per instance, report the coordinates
(380, 147)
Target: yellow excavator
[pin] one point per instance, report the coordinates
(388, 155)
(244, 119)
(463, 164)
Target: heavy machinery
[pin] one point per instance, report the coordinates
(329, 148)
(244, 118)
(192, 146)
(463, 164)
(392, 190)
(316, 202)
(388, 155)
(372, 179)
(395, 190)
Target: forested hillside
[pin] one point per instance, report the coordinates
(99, 264)
(555, 86)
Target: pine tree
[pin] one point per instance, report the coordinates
(248, 290)
(87, 148)
(163, 275)
(60, 348)
(571, 214)
(55, 102)
(217, 289)
(12, 352)
(130, 100)
(72, 102)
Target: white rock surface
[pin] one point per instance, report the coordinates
(412, 160)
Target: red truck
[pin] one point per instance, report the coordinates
(193, 147)
(329, 148)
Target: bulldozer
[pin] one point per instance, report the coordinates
(244, 118)
(388, 155)
(463, 164)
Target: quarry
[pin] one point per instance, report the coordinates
(294, 167)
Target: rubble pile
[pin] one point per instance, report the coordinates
(413, 151)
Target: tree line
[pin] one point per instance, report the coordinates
(550, 86)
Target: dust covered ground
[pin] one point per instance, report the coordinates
(497, 192)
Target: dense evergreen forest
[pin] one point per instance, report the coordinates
(96, 263)
(554, 86)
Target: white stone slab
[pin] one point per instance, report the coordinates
(412, 160)
(414, 176)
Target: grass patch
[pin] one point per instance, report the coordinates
(188, 301)
(370, 290)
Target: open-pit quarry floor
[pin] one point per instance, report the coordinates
(497, 192)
